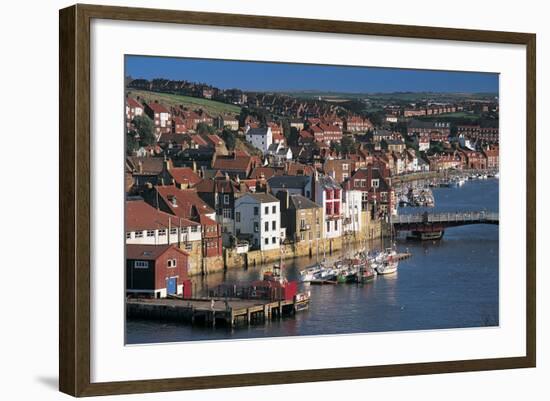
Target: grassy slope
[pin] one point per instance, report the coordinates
(212, 107)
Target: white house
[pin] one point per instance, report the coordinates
(278, 153)
(258, 216)
(146, 225)
(352, 203)
(260, 138)
(328, 194)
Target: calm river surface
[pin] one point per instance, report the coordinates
(452, 283)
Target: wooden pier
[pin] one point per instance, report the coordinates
(403, 255)
(212, 312)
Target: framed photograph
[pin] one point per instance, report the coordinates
(250, 200)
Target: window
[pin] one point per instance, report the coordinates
(173, 231)
(128, 235)
(273, 225)
(274, 240)
(302, 236)
(328, 226)
(188, 247)
(139, 234)
(266, 210)
(238, 217)
(227, 213)
(226, 199)
(256, 227)
(266, 226)
(266, 241)
(194, 229)
(274, 209)
(150, 233)
(336, 225)
(364, 196)
(302, 223)
(172, 262)
(375, 183)
(141, 264)
(345, 167)
(256, 210)
(162, 232)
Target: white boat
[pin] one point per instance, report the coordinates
(387, 268)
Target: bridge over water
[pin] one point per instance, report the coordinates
(434, 222)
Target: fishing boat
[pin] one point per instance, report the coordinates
(425, 236)
(366, 274)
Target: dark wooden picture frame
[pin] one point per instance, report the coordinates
(74, 202)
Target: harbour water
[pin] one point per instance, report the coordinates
(452, 283)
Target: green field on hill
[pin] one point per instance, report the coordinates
(212, 107)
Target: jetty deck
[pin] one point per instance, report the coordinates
(228, 312)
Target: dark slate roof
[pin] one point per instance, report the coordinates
(263, 197)
(289, 181)
(301, 202)
(328, 182)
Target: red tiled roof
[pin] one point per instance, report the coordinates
(232, 163)
(184, 175)
(199, 140)
(149, 252)
(216, 140)
(130, 101)
(210, 185)
(267, 172)
(157, 107)
(141, 216)
(187, 201)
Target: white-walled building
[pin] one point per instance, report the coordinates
(258, 216)
(260, 138)
(146, 225)
(352, 203)
(328, 194)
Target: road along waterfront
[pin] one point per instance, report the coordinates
(452, 283)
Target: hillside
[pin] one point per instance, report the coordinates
(212, 107)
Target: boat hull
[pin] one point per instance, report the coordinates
(425, 236)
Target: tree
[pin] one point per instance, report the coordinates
(144, 129)
(132, 143)
(293, 137)
(203, 128)
(229, 138)
(335, 146)
(347, 145)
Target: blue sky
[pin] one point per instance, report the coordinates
(288, 77)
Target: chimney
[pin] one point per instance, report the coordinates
(194, 166)
(140, 167)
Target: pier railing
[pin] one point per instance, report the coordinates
(447, 217)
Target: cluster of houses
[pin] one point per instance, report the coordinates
(396, 112)
(190, 200)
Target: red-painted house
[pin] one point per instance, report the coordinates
(156, 271)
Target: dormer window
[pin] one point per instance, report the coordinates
(173, 201)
